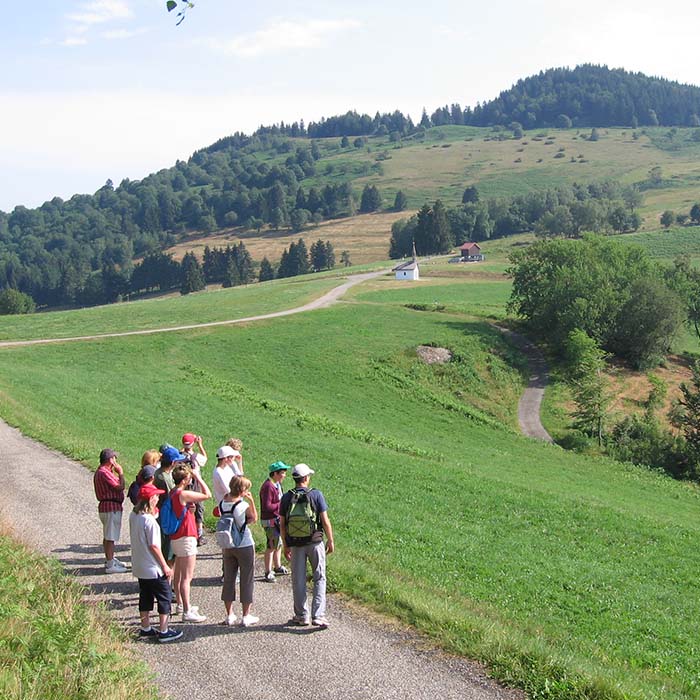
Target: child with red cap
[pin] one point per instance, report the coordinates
(149, 566)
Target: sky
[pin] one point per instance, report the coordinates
(92, 90)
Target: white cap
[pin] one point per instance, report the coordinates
(225, 451)
(301, 470)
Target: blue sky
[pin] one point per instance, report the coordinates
(97, 89)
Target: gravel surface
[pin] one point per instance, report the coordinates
(359, 657)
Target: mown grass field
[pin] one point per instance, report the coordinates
(571, 577)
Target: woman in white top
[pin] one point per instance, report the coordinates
(241, 502)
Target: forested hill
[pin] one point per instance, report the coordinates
(590, 95)
(289, 176)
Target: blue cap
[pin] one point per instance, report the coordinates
(172, 454)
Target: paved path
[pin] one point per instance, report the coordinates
(358, 658)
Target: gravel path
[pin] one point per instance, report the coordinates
(360, 657)
(531, 400)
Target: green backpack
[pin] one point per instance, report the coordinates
(301, 519)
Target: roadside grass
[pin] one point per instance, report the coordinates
(571, 577)
(52, 644)
(170, 311)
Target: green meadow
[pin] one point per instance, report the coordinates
(570, 577)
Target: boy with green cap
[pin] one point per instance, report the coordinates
(270, 497)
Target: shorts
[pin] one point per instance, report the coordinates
(157, 589)
(184, 546)
(272, 535)
(111, 525)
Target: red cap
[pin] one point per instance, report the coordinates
(189, 438)
(148, 490)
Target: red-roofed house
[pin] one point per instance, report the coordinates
(470, 252)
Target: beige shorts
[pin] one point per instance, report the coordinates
(111, 525)
(184, 546)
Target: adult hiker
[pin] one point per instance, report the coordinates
(303, 521)
(109, 490)
(270, 497)
(237, 445)
(197, 460)
(239, 553)
(222, 474)
(184, 540)
(149, 566)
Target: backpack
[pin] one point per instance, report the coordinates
(300, 519)
(228, 534)
(133, 492)
(169, 522)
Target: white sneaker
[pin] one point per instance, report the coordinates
(269, 577)
(230, 620)
(193, 616)
(121, 563)
(115, 567)
(249, 620)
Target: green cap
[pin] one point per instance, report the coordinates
(278, 466)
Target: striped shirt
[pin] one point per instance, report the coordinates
(108, 490)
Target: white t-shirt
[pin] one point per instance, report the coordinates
(220, 481)
(239, 514)
(144, 532)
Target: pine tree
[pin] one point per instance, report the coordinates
(318, 256)
(232, 276)
(345, 258)
(400, 201)
(330, 256)
(192, 275)
(266, 271)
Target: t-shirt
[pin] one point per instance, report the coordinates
(144, 532)
(220, 482)
(239, 513)
(318, 503)
(165, 482)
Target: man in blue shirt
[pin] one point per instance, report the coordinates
(303, 521)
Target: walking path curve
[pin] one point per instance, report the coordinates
(531, 399)
(325, 300)
(358, 658)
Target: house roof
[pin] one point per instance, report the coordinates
(409, 265)
(470, 246)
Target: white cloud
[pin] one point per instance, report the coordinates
(123, 33)
(283, 35)
(74, 41)
(100, 11)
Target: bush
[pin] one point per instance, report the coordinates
(12, 301)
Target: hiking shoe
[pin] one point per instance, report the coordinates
(193, 616)
(201, 540)
(169, 636)
(321, 622)
(115, 567)
(269, 577)
(249, 620)
(230, 620)
(301, 621)
(281, 570)
(150, 632)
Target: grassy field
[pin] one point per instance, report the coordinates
(52, 644)
(571, 577)
(170, 311)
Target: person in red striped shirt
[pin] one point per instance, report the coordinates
(109, 489)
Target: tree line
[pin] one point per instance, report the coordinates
(562, 211)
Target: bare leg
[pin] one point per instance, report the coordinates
(108, 546)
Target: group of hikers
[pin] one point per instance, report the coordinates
(167, 525)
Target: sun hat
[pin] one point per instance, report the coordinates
(278, 467)
(106, 455)
(225, 451)
(148, 490)
(302, 470)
